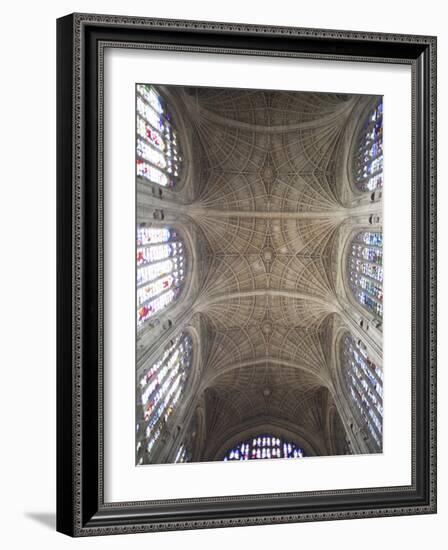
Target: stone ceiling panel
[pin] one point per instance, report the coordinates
(268, 212)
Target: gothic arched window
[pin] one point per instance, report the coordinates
(158, 153)
(160, 270)
(159, 389)
(262, 447)
(365, 270)
(364, 381)
(369, 153)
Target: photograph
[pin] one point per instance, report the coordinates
(258, 275)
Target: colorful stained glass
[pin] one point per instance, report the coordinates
(158, 154)
(369, 158)
(152, 235)
(365, 270)
(182, 455)
(158, 392)
(160, 270)
(264, 447)
(364, 381)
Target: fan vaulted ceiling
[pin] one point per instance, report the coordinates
(267, 210)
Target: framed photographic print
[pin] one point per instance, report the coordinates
(246, 274)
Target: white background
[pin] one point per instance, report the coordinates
(125, 482)
(27, 233)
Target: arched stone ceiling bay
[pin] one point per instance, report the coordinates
(277, 162)
(306, 151)
(267, 376)
(260, 306)
(231, 150)
(263, 391)
(313, 192)
(230, 312)
(269, 190)
(298, 348)
(252, 235)
(304, 237)
(234, 235)
(234, 274)
(232, 192)
(247, 254)
(233, 346)
(291, 150)
(268, 109)
(304, 313)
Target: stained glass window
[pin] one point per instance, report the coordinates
(365, 270)
(364, 381)
(159, 390)
(369, 157)
(263, 447)
(158, 153)
(160, 270)
(182, 455)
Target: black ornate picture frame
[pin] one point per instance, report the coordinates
(81, 43)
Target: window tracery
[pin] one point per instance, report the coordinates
(159, 390)
(160, 270)
(369, 152)
(264, 447)
(364, 380)
(158, 153)
(365, 270)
